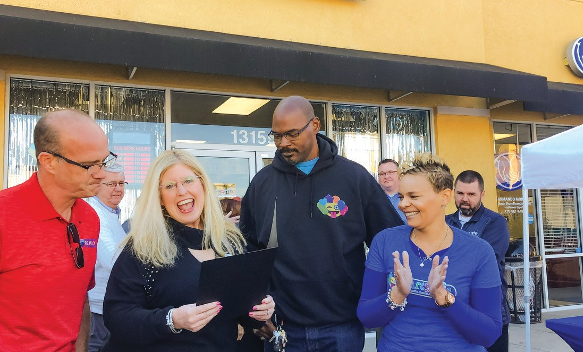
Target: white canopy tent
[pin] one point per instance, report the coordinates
(553, 163)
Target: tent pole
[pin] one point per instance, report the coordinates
(526, 254)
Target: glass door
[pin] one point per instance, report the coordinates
(231, 171)
(560, 238)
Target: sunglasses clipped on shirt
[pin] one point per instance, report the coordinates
(77, 253)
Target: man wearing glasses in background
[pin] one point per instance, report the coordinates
(319, 209)
(48, 238)
(389, 181)
(106, 204)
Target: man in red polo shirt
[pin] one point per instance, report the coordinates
(48, 238)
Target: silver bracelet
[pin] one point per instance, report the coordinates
(170, 323)
(394, 305)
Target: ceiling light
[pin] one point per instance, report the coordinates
(240, 106)
(498, 136)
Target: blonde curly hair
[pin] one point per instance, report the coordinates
(431, 165)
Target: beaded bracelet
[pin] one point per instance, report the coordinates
(394, 305)
(170, 323)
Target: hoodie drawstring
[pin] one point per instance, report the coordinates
(311, 195)
(296, 184)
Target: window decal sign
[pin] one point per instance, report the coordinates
(508, 173)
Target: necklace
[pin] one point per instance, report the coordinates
(428, 257)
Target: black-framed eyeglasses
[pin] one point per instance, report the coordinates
(122, 184)
(77, 253)
(92, 169)
(290, 136)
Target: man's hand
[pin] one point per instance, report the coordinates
(266, 331)
(82, 342)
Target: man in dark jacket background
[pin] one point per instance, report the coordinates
(319, 208)
(476, 219)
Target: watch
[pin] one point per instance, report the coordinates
(449, 299)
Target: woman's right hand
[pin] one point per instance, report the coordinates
(403, 276)
(192, 317)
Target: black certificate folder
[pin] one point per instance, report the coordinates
(239, 282)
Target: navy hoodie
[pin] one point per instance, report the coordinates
(323, 219)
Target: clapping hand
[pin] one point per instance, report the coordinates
(437, 277)
(233, 219)
(403, 277)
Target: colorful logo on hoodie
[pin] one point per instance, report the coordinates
(332, 206)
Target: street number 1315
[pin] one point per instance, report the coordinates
(250, 137)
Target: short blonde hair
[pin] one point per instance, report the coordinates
(150, 237)
(431, 165)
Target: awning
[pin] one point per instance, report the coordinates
(52, 35)
(562, 98)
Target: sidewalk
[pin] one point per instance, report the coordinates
(541, 338)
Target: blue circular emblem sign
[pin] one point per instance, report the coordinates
(575, 56)
(508, 173)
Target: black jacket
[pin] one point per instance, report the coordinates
(493, 228)
(139, 296)
(323, 220)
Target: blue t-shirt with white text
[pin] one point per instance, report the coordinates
(422, 326)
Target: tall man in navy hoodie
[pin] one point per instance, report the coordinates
(476, 219)
(318, 208)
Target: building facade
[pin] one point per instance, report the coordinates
(472, 81)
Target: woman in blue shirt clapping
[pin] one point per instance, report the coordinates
(431, 287)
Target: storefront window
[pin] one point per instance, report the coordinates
(407, 133)
(199, 118)
(133, 120)
(508, 140)
(355, 129)
(29, 99)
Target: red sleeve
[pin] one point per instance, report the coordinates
(92, 281)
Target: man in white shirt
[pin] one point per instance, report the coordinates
(111, 234)
(389, 181)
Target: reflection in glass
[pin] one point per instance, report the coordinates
(355, 129)
(29, 99)
(407, 133)
(133, 120)
(230, 175)
(559, 218)
(564, 281)
(195, 120)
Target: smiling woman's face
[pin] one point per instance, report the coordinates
(419, 201)
(185, 201)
